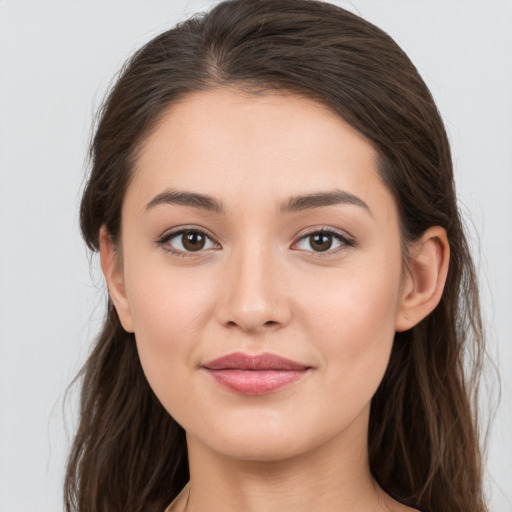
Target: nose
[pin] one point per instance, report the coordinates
(253, 297)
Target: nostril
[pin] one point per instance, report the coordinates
(252, 326)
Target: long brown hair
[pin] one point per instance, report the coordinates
(128, 453)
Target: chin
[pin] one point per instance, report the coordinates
(267, 436)
(258, 449)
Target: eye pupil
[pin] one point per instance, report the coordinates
(321, 242)
(193, 240)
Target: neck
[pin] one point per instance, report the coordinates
(335, 476)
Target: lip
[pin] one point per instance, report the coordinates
(255, 374)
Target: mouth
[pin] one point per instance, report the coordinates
(255, 374)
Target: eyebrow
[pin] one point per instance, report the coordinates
(292, 204)
(193, 199)
(320, 199)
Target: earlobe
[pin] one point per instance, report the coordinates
(429, 260)
(111, 267)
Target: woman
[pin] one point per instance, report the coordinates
(291, 292)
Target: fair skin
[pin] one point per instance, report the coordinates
(319, 281)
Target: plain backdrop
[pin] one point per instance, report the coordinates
(56, 61)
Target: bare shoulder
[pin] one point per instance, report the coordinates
(405, 508)
(180, 502)
(393, 505)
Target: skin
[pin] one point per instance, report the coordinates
(259, 285)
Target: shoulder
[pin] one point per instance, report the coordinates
(179, 503)
(397, 506)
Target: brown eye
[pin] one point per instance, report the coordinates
(320, 242)
(187, 241)
(323, 241)
(193, 240)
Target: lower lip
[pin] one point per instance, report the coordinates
(256, 382)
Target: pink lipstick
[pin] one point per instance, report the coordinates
(254, 374)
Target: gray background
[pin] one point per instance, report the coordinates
(56, 60)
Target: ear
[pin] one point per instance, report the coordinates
(112, 270)
(424, 283)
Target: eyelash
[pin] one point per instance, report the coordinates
(345, 241)
(163, 241)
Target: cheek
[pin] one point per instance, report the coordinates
(169, 310)
(353, 323)
(164, 299)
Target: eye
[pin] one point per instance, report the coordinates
(323, 241)
(187, 241)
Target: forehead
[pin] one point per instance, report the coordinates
(259, 148)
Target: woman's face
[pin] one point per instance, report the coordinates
(261, 272)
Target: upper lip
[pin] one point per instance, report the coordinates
(265, 361)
